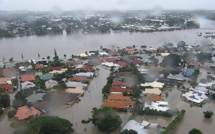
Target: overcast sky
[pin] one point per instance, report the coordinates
(47, 5)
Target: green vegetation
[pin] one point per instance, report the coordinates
(39, 82)
(172, 60)
(126, 131)
(86, 121)
(195, 131)
(20, 98)
(47, 125)
(203, 57)
(174, 122)
(149, 111)
(208, 114)
(195, 75)
(4, 100)
(11, 113)
(106, 119)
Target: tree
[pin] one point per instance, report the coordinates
(208, 114)
(106, 119)
(49, 125)
(172, 60)
(11, 60)
(55, 52)
(126, 131)
(64, 55)
(203, 56)
(38, 55)
(4, 100)
(22, 56)
(48, 58)
(11, 113)
(195, 131)
(3, 59)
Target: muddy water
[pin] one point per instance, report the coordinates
(77, 43)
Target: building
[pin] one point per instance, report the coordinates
(197, 97)
(7, 87)
(159, 106)
(26, 112)
(35, 97)
(24, 78)
(155, 91)
(118, 104)
(27, 85)
(154, 84)
(76, 90)
(75, 84)
(121, 90)
(50, 84)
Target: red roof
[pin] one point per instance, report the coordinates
(27, 78)
(25, 112)
(8, 72)
(120, 83)
(39, 66)
(111, 59)
(122, 63)
(154, 98)
(135, 62)
(119, 89)
(79, 78)
(7, 87)
(56, 68)
(101, 60)
(71, 63)
(87, 67)
(117, 104)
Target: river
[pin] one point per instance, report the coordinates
(78, 43)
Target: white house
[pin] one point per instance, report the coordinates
(110, 64)
(195, 96)
(50, 84)
(154, 84)
(85, 74)
(27, 85)
(75, 84)
(159, 106)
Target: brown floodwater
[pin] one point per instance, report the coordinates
(78, 43)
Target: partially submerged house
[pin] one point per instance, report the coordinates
(197, 97)
(159, 105)
(34, 98)
(155, 91)
(26, 112)
(76, 90)
(75, 84)
(141, 128)
(7, 87)
(154, 84)
(85, 74)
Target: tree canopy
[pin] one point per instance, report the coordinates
(4, 100)
(106, 119)
(203, 56)
(49, 125)
(195, 131)
(172, 60)
(126, 131)
(208, 114)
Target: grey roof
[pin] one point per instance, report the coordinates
(35, 97)
(75, 84)
(47, 76)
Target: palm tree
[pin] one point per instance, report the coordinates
(22, 56)
(64, 56)
(3, 59)
(48, 57)
(38, 55)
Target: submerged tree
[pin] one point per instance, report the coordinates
(106, 119)
(55, 52)
(195, 131)
(208, 114)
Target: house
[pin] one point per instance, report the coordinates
(50, 84)
(110, 64)
(7, 87)
(47, 76)
(203, 89)
(194, 65)
(159, 106)
(152, 97)
(27, 85)
(5, 80)
(24, 78)
(83, 55)
(120, 90)
(195, 96)
(88, 68)
(38, 67)
(9, 72)
(118, 97)
(76, 90)
(131, 51)
(155, 91)
(79, 79)
(111, 59)
(120, 84)
(154, 84)
(59, 71)
(118, 104)
(188, 72)
(113, 53)
(56, 68)
(141, 128)
(103, 54)
(26, 112)
(85, 74)
(122, 63)
(35, 97)
(166, 80)
(179, 77)
(75, 84)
